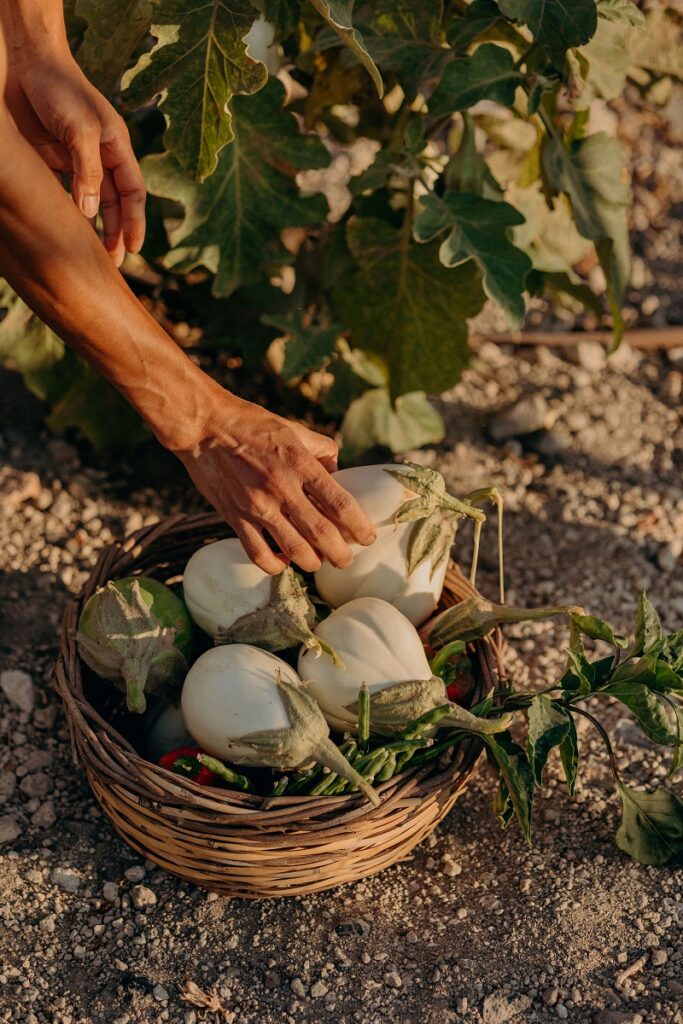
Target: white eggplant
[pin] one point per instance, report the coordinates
(415, 520)
(165, 729)
(380, 647)
(234, 601)
(248, 707)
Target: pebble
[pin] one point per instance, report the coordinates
(45, 816)
(142, 897)
(160, 993)
(110, 891)
(48, 924)
(659, 957)
(37, 785)
(9, 829)
(393, 979)
(551, 995)
(135, 874)
(319, 989)
(8, 783)
(298, 988)
(524, 417)
(18, 688)
(66, 878)
(449, 867)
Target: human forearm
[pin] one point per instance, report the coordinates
(32, 24)
(54, 260)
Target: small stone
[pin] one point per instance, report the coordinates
(591, 356)
(45, 816)
(412, 937)
(37, 785)
(135, 874)
(16, 488)
(461, 913)
(561, 1011)
(110, 891)
(659, 957)
(190, 1017)
(550, 443)
(551, 995)
(142, 897)
(120, 965)
(393, 979)
(66, 878)
(160, 993)
(18, 688)
(525, 885)
(298, 988)
(319, 989)
(36, 761)
(524, 417)
(48, 924)
(669, 554)
(450, 868)
(45, 718)
(8, 783)
(9, 829)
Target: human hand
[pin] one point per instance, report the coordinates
(76, 131)
(265, 474)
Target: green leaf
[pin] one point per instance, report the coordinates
(657, 48)
(337, 13)
(467, 171)
(569, 755)
(478, 230)
(672, 650)
(405, 38)
(647, 630)
(306, 346)
(620, 11)
(590, 172)
(556, 25)
(197, 65)
(645, 706)
(549, 726)
(515, 772)
(371, 419)
(595, 628)
(489, 74)
(284, 15)
(476, 19)
(403, 304)
(232, 221)
(651, 829)
(608, 58)
(502, 805)
(115, 29)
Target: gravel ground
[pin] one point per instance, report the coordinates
(475, 927)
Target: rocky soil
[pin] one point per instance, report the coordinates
(476, 927)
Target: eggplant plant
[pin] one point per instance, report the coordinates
(481, 183)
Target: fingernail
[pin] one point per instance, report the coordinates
(90, 205)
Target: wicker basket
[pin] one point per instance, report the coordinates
(233, 843)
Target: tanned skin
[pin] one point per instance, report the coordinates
(263, 474)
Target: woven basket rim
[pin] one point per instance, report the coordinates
(110, 757)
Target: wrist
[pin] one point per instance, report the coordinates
(196, 413)
(34, 30)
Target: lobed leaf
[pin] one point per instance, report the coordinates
(470, 24)
(556, 25)
(198, 64)
(489, 74)
(306, 346)
(232, 222)
(408, 423)
(478, 230)
(421, 306)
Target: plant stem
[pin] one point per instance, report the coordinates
(445, 654)
(363, 715)
(524, 56)
(605, 738)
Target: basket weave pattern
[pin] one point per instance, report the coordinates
(242, 844)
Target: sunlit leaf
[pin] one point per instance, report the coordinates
(231, 219)
(338, 13)
(197, 65)
(372, 419)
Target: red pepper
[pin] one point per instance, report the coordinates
(183, 761)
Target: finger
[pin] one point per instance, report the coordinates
(321, 447)
(322, 534)
(110, 208)
(257, 549)
(338, 505)
(82, 139)
(292, 544)
(329, 463)
(119, 158)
